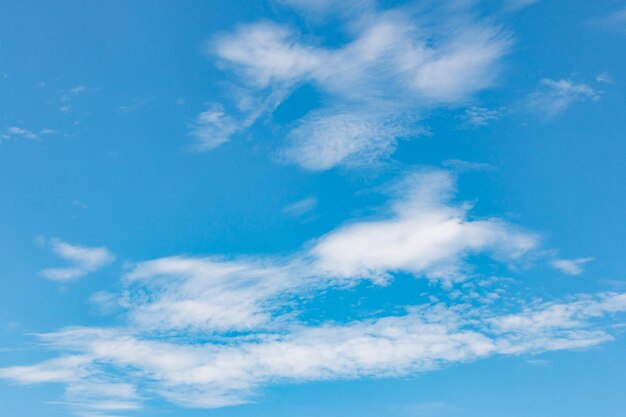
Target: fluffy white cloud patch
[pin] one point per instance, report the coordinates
(396, 64)
(423, 234)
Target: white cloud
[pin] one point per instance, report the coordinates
(479, 116)
(301, 207)
(213, 127)
(88, 392)
(97, 397)
(544, 318)
(556, 96)
(397, 64)
(212, 332)
(230, 371)
(570, 266)
(20, 132)
(15, 132)
(328, 138)
(265, 53)
(78, 89)
(205, 293)
(83, 260)
(65, 101)
(389, 54)
(424, 235)
(604, 78)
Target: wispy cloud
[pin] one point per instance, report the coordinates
(213, 127)
(301, 207)
(327, 138)
(421, 233)
(211, 332)
(20, 132)
(65, 101)
(604, 78)
(78, 89)
(479, 116)
(571, 266)
(83, 260)
(397, 63)
(554, 97)
(15, 132)
(228, 372)
(388, 52)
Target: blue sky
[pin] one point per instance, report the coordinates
(312, 208)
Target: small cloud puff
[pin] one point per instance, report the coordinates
(213, 127)
(479, 116)
(554, 97)
(571, 266)
(604, 78)
(83, 260)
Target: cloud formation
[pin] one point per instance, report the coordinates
(83, 260)
(229, 371)
(211, 332)
(396, 64)
(479, 116)
(424, 235)
(555, 97)
(571, 266)
(301, 207)
(15, 132)
(421, 233)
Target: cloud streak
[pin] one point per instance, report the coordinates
(554, 97)
(571, 266)
(83, 260)
(229, 372)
